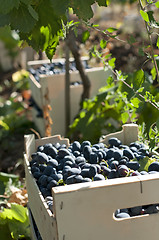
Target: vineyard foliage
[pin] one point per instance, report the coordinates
(129, 97)
(42, 23)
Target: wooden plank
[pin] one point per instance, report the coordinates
(35, 87)
(86, 211)
(128, 134)
(46, 61)
(32, 229)
(52, 139)
(29, 144)
(44, 219)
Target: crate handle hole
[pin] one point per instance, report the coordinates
(120, 214)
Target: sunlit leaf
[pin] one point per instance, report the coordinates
(124, 117)
(103, 43)
(144, 16)
(85, 36)
(157, 4)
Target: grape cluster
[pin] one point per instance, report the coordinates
(54, 68)
(53, 165)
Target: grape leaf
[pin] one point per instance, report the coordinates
(135, 101)
(144, 16)
(33, 12)
(102, 2)
(5, 233)
(83, 8)
(8, 5)
(60, 6)
(157, 4)
(16, 221)
(103, 44)
(4, 20)
(48, 17)
(138, 79)
(157, 44)
(85, 36)
(145, 163)
(124, 117)
(51, 48)
(21, 19)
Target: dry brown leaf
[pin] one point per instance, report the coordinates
(19, 196)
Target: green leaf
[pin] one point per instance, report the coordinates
(138, 79)
(135, 101)
(8, 5)
(124, 117)
(21, 19)
(19, 212)
(33, 12)
(103, 44)
(111, 62)
(152, 21)
(145, 163)
(5, 232)
(157, 4)
(157, 44)
(157, 124)
(82, 8)
(4, 125)
(6, 176)
(85, 36)
(102, 2)
(144, 16)
(111, 29)
(60, 6)
(51, 48)
(153, 73)
(152, 133)
(4, 20)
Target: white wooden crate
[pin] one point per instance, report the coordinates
(54, 87)
(86, 210)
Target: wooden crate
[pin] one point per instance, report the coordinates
(86, 210)
(54, 88)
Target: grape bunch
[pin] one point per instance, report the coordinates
(54, 68)
(53, 165)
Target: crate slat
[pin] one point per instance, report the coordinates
(86, 211)
(127, 135)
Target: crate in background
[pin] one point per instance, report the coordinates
(54, 88)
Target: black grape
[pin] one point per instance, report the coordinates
(98, 177)
(48, 170)
(51, 184)
(92, 171)
(134, 165)
(135, 210)
(154, 167)
(122, 215)
(114, 142)
(128, 153)
(123, 170)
